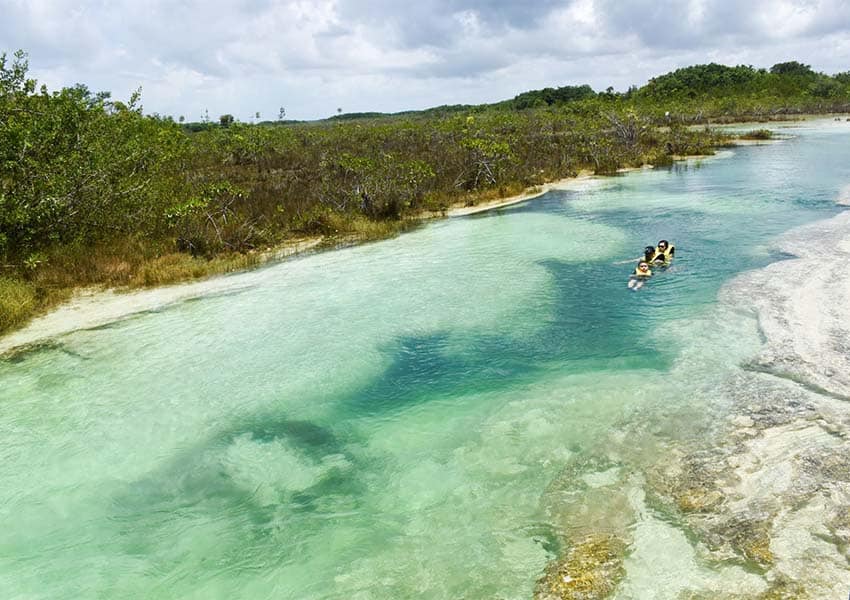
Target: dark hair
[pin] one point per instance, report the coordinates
(648, 253)
(665, 242)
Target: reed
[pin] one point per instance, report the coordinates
(17, 302)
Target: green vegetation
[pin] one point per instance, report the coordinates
(758, 134)
(92, 191)
(550, 96)
(738, 93)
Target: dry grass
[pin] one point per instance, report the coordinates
(125, 264)
(129, 263)
(18, 302)
(361, 229)
(758, 134)
(438, 202)
(175, 267)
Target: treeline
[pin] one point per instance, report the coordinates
(783, 82)
(94, 191)
(698, 94)
(721, 92)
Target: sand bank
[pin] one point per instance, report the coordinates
(93, 307)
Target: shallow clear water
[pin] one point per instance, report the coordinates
(386, 421)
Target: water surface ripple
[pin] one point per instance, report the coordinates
(404, 418)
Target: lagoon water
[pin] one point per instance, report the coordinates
(433, 416)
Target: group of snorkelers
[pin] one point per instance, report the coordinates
(660, 256)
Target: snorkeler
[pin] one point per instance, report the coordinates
(641, 274)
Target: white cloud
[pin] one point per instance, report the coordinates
(312, 56)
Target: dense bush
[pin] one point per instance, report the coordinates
(75, 166)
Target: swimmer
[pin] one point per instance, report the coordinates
(664, 252)
(641, 274)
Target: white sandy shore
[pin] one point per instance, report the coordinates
(94, 307)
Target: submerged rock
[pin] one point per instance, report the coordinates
(591, 569)
(763, 495)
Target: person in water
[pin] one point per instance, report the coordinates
(641, 274)
(663, 252)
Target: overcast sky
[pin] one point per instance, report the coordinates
(315, 56)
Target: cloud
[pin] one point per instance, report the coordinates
(312, 56)
(440, 23)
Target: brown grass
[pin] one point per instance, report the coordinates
(362, 229)
(758, 134)
(175, 267)
(18, 302)
(124, 264)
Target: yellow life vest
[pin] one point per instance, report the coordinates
(665, 255)
(639, 273)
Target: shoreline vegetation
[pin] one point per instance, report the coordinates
(94, 194)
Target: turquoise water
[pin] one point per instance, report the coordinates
(387, 421)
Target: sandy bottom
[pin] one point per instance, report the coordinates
(94, 307)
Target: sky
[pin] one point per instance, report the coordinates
(315, 57)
